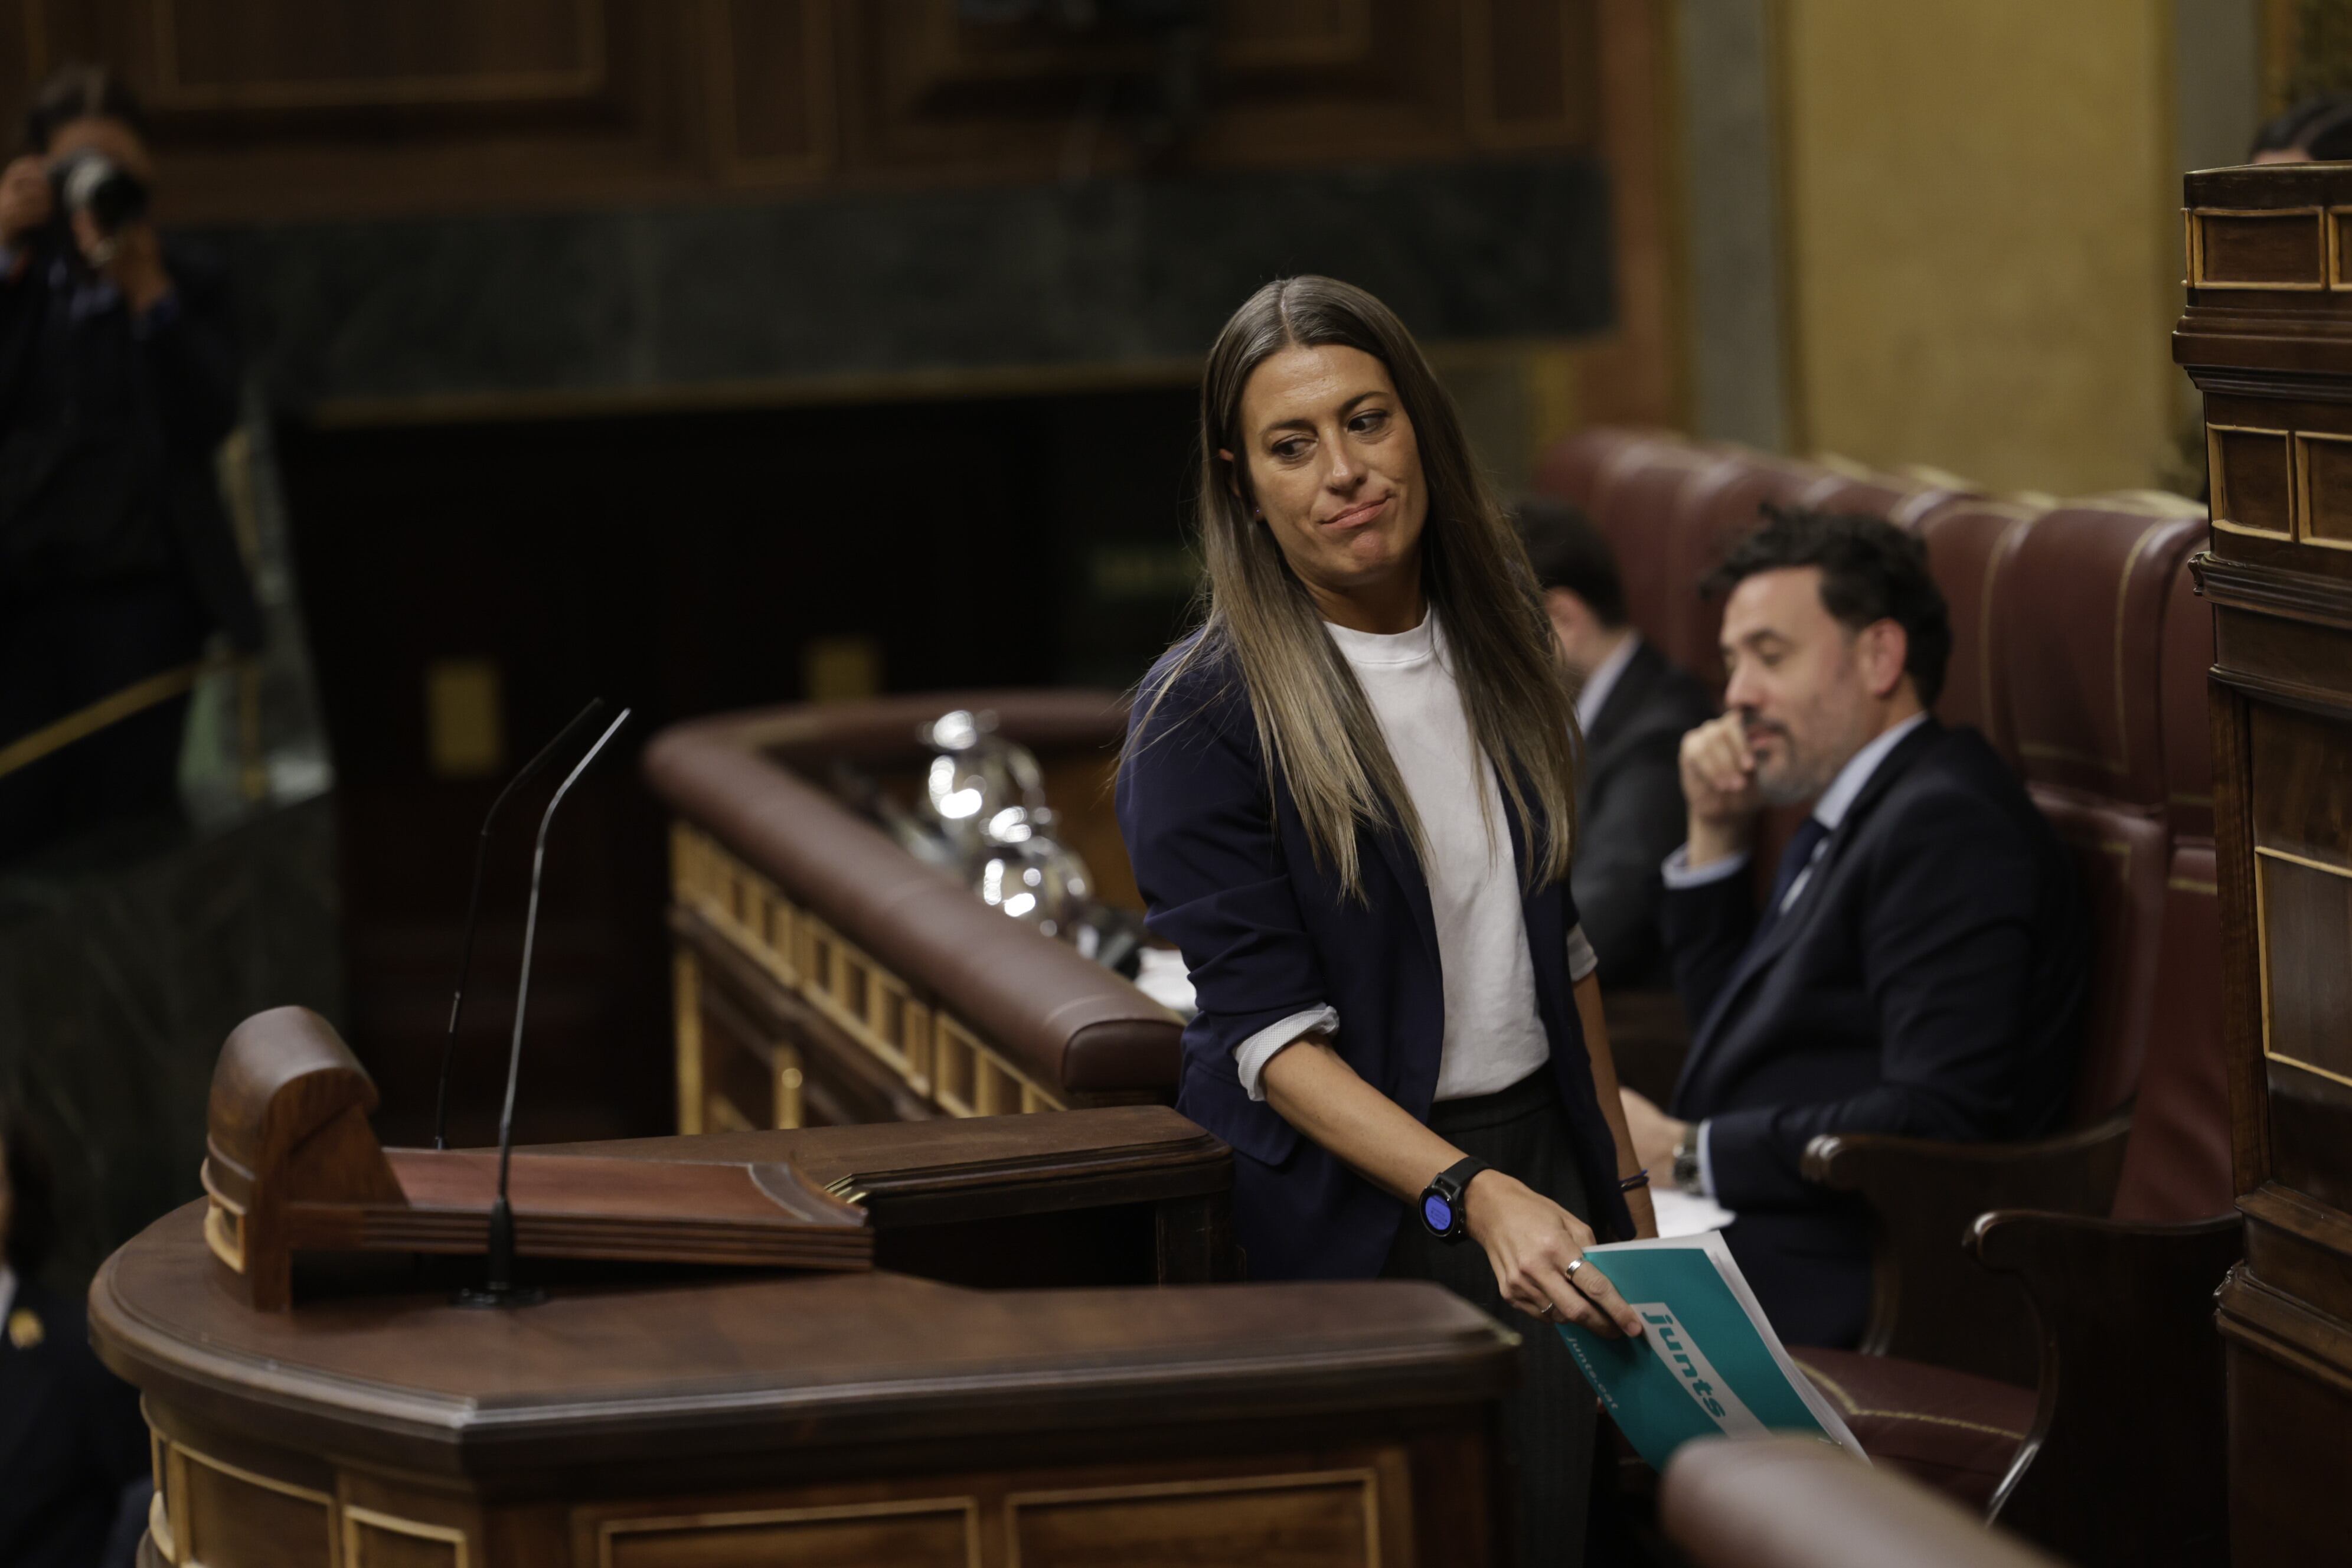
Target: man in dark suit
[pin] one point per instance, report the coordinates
(73, 1448)
(1921, 964)
(1634, 708)
(117, 382)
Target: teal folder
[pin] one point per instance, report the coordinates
(1707, 1363)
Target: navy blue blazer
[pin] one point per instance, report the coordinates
(1226, 874)
(1929, 981)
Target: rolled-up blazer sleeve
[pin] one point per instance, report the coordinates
(1198, 817)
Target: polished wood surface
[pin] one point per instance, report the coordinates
(1015, 1385)
(411, 1380)
(2268, 338)
(292, 1166)
(651, 1420)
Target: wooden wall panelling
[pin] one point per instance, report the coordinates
(273, 54)
(1530, 67)
(1291, 82)
(772, 110)
(291, 108)
(1633, 375)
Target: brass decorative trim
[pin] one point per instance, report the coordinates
(2333, 221)
(2263, 953)
(224, 1221)
(1854, 1406)
(789, 1080)
(159, 1529)
(2219, 484)
(1365, 1479)
(186, 1531)
(686, 991)
(934, 1053)
(2193, 885)
(735, 1519)
(2291, 858)
(2299, 510)
(2197, 274)
(354, 1517)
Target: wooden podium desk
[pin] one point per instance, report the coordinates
(715, 1419)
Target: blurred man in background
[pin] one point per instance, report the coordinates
(1633, 707)
(117, 382)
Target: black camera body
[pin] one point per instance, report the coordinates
(88, 181)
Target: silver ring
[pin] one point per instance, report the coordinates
(1573, 1265)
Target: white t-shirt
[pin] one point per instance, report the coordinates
(1493, 1037)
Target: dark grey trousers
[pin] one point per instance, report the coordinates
(1548, 1420)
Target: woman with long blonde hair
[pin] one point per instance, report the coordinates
(1348, 798)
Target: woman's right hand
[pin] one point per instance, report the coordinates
(1529, 1242)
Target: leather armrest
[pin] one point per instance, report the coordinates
(1793, 1502)
(2131, 1385)
(1930, 1299)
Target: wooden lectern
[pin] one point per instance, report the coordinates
(2268, 338)
(1011, 1351)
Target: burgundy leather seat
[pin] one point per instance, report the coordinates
(2176, 1165)
(1715, 506)
(1571, 467)
(2080, 650)
(1962, 1433)
(1631, 502)
(1902, 500)
(2081, 606)
(1972, 543)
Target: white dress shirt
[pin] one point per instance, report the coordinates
(1829, 811)
(1593, 694)
(1493, 1037)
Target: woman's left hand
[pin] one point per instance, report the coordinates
(1537, 1250)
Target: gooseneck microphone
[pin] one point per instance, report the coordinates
(498, 1289)
(474, 908)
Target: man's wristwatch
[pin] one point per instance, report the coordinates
(1441, 1208)
(1687, 1160)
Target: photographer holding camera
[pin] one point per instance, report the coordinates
(119, 380)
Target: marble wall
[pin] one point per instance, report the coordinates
(849, 296)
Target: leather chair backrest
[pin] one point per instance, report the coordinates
(1632, 500)
(1715, 507)
(1571, 467)
(1971, 543)
(2176, 1165)
(2081, 611)
(1901, 500)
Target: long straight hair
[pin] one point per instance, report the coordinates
(1314, 724)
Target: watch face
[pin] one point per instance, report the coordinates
(1437, 1213)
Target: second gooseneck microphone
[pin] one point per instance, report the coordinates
(498, 1288)
(580, 721)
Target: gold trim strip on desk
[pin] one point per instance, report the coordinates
(936, 1055)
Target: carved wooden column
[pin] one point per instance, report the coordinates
(2268, 339)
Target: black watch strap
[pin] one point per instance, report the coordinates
(1441, 1201)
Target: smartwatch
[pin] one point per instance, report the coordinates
(1687, 1169)
(1441, 1208)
